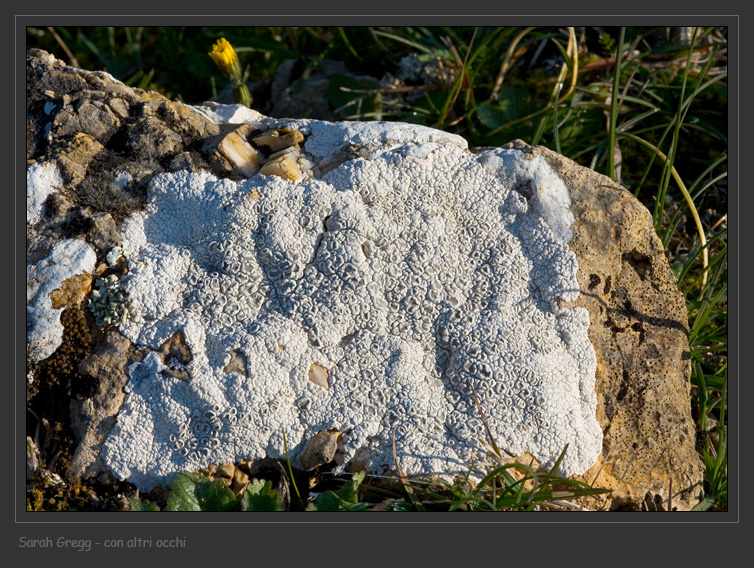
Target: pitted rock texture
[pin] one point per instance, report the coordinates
(99, 173)
(640, 332)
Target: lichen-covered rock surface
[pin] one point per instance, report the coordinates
(408, 277)
(356, 279)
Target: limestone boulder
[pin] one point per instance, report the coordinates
(398, 264)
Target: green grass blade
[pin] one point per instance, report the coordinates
(403, 40)
(555, 132)
(290, 469)
(560, 459)
(707, 303)
(677, 122)
(711, 182)
(350, 47)
(720, 256)
(686, 195)
(484, 421)
(702, 400)
(614, 108)
(457, 84)
(404, 480)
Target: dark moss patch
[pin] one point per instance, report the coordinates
(55, 381)
(80, 496)
(100, 192)
(77, 226)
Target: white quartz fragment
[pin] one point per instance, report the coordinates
(401, 279)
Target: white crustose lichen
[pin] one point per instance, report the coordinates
(368, 301)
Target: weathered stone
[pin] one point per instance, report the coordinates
(46, 74)
(73, 155)
(225, 471)
(93, 418)
(103, 234)
(231, 153)
(282, 167)
(319, 375)
(33, 459)
(90, 117)
(119, 107)
(238, 363)
(72, 291)
(276, 141)
(639, 328)
(246, 466)
(240, 481)
(321, 449)
(191, 161)
(148, 139)
(67, 258)
(175, 356)
(187, 122)
(637, 319)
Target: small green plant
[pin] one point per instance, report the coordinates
(108, 302)
(607, 44)
(260, 496)
(345, 499)
(142, 505)
(508, 486)
(194, 492)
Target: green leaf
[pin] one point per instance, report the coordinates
(217, 497)
(512, 104)
(434, 55)
(194, 492)
(350, 491)
(260, 496)
(345, 499)
(183, 493)
(139, 505)
(705, 504)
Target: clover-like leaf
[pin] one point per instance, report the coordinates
(260, 496)
(194, 492)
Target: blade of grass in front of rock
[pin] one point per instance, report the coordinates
(614, 107)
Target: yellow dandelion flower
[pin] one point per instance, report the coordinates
(223, 54)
